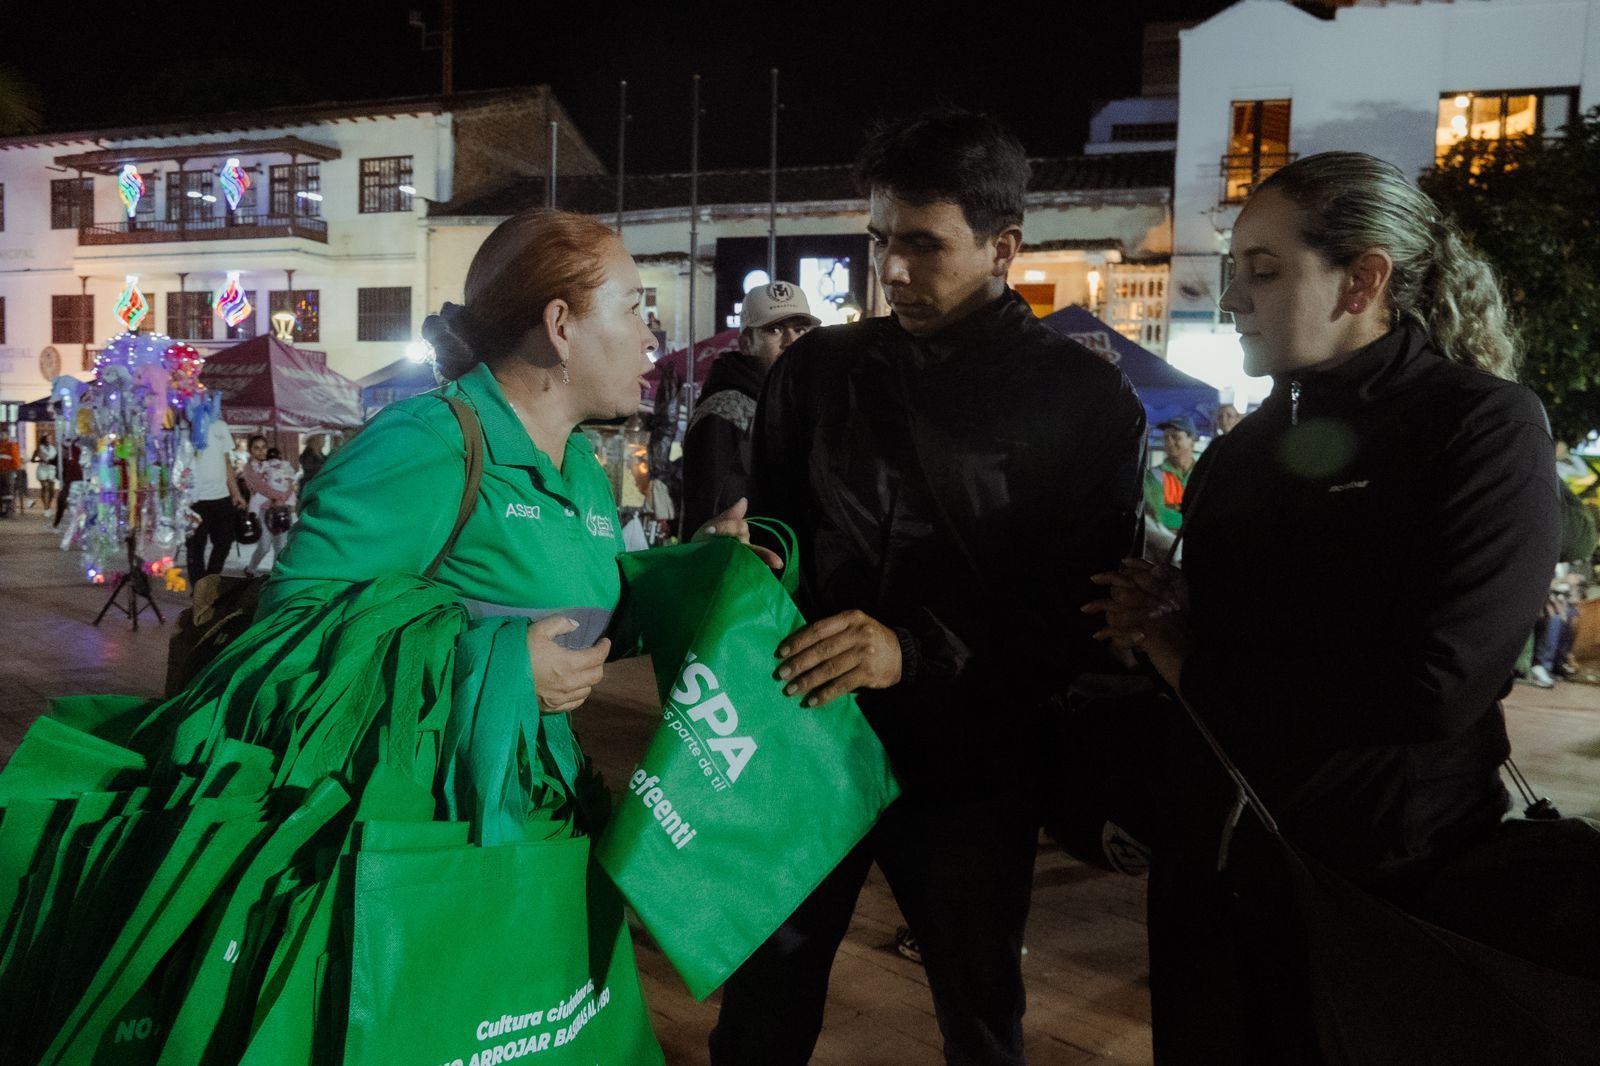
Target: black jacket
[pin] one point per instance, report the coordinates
(1035, 450)
(716, 447)
(1365, 564)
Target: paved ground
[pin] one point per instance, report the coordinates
(1086, 971)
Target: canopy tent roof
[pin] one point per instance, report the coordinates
(38, 410)
(400, 379)
(1165, 391)
(268, 384)
(705, 353)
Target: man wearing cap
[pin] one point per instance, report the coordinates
(1164, 484)
(716, 448)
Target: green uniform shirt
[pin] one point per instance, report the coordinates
(539, 541)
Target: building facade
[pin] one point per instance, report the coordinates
(1265, 82)
(1098, 231)
(328, 223)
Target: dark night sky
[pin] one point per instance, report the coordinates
(842, 64)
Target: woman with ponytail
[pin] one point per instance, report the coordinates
(1362, 558)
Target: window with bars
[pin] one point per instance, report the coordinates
(381, 181)
(186, 196)
(189, 316)
(247, 328)
(383, 314)
(1258, 146)
(71, 319)
(295, 189)
(71, 203)
(303, 304)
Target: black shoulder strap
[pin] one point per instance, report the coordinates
(472, 435)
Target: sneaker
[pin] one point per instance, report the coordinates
(1540, 676)
(907, 945)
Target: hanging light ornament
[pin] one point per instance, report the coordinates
(235, 180)
(231, 304)
(130, 186)
(131, 306)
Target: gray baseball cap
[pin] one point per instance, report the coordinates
(775, 302)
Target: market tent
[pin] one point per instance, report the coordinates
(267, 384)
(705, 353)
(1165, 391)
(399, 380)
(36, 411)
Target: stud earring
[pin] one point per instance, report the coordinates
(1356, 307)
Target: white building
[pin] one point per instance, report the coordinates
(1098, 231)
(331, 226)
(1265, 82)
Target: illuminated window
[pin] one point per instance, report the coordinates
(1501, 115)
(1258, 146)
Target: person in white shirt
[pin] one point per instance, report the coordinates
(216, 496)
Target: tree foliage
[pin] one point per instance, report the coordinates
(1532, 206)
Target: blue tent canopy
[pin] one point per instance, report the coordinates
(399, 380)
(1165, 391)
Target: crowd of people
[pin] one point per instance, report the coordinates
(971, 496)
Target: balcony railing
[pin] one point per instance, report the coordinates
(218, 228)
(1242, 173)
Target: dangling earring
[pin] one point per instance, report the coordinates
(565, 380)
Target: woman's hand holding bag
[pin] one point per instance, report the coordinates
(563, 677)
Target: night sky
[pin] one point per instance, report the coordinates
(101, 64)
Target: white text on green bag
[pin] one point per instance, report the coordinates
(717, 712)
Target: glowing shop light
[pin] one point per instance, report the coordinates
(283, 325)
(314, 197)
(419, 352)
(409, 190)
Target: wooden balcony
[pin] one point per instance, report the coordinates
(237, 227)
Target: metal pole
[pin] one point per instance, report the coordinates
(447, 63)
(772, 189)
(694, 231)
(550, 172)
(85, 326)
(622, 148)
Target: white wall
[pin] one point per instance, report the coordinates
(1368, 80)
(363, 250)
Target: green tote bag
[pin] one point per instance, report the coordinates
(744, 800)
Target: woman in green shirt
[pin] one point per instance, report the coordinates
(550, 336)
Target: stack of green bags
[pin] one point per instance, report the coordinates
(352, 839)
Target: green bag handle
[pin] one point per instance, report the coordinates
(789, 576)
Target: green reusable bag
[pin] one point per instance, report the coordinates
(471, 955)
(744, 800)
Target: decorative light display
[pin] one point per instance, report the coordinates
(235, 180)
(131, 306)
(231, 304)
(134, 425)
(130, 186)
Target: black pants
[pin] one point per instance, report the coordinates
(961, 869)
(216, 525)
(64, 491)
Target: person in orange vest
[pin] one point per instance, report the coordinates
(1164, 484)
(10, 463)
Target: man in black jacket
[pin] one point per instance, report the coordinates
(716, 448)
(954, 473)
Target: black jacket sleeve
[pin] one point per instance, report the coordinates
(713, 471)
(1479, 570)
